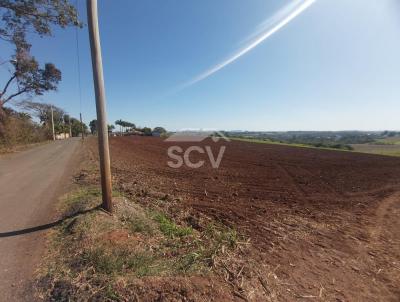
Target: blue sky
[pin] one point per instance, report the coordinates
(334, 67)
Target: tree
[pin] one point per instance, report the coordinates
(29, 78)
(110, 128)
(147, 131)
(159, 130)
(19, 128)
(33, 16)
(43, 112)
(130, 125)
(123, 125)
(21, 16)
(76, 127)
(119, 123)
(93, 126)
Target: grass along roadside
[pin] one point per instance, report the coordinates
(5, 150)
(93, 255)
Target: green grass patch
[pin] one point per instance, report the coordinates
(84, 198)
(315, 146)
(378, 149)
(321, 146)
(214, 240)
(117, 260)
(139, 223)
(94, 250)
(387, 141)
(80, 199)
(170, 228)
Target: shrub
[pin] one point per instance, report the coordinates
(170, 229)
(19, 129)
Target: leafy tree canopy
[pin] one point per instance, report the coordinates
(147, 131)
(125, 124)
(43, 112)
(30, 78)
(22, 16)
(93, 126)
(62, 121)
(76, 127)
(18, 17)
(159, 130)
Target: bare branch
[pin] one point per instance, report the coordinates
(8, 84)
(14, 95)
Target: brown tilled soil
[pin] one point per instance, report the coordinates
(323, 225)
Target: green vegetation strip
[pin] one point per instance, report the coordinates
(92, 249)
(335, 147)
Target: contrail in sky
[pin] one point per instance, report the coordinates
(266, 29)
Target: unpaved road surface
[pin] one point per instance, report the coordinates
(30, 183)
(323, 225)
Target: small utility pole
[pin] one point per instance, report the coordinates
(102, 128)
(70, 128)
(82, 129)
(52, 123)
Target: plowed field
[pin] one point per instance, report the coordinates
(323, 225)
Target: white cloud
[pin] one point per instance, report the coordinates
(266, 29)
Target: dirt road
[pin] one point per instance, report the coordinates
(30, 182)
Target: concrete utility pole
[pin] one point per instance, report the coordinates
(70, 128)
(82, 129)
(102, 130)
(52, 123)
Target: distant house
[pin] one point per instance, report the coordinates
(133, 132)
(62, 136)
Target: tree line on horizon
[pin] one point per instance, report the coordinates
(128, 127)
